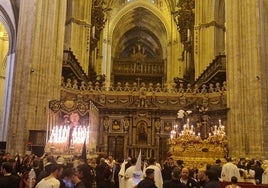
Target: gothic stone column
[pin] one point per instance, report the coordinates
(37, 72)
(246, 128)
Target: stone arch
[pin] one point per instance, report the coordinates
(109, 42)
(138, 4)
(8, 20)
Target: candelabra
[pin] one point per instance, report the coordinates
(67, 139)
(189, 133)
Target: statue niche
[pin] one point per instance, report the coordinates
(142, 132)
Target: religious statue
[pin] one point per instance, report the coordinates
(142, 97)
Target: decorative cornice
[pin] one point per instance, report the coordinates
(209, 24)
(78, 22)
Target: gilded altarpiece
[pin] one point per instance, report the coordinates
(131, 118)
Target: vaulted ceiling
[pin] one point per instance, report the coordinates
(139, 27)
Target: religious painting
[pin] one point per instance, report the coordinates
(167, 126)
(73, 119)
(142, 132)
(116, 125)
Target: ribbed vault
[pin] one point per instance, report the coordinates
(139, 27)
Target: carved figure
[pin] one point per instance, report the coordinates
(218, 87)
(181, 89)
(211, 88)
(142, 97)
(119, 87)
(83, 86)
(126, 88)
(150, 89)
(204, 89)
(68, 83)
(196, 90)
(224, 86)
(90, 87)
(189, 89)
(158, 87)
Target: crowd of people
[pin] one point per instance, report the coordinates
(30, 171)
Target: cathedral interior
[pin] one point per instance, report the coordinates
(139, 73)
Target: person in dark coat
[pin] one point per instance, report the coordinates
(216, 168)
(8, 179)
(84, 173)
(148, 181)
(106, 183)
(174, 182)
(100, 168)
(258, 172)
(186, 179)
(212, 180)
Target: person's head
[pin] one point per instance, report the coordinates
(258, 163)
(170, 161)
(68, 173)
(234, 179)
(69, 177)
(211, 175)
(55, 169)
(218, 161)
(133, 161)
(110, 158)
(184, 173)
(242, 160)
(151, 161)
(6, 167)
(180, 163)
(176, 172)
(83, 171)
(149, 173)
(201, 175)
(229, 159)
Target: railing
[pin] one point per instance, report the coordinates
(148, 67)
(217, 65)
